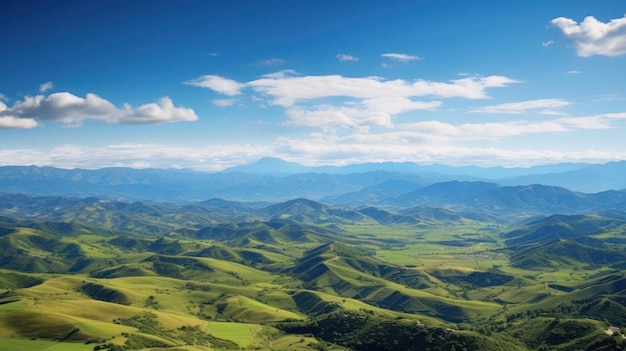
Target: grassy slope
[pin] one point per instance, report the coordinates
(230, 299)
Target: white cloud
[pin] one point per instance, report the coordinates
(45, 87)
(574, 72)
(592, 37)
(10, 122)
(439, 142)
(286, 91)
(357, 102)
(213, 54)
(280, 74)
(546, 105)
(369, 112)
(401, 57)
(216, 83)
(547, 43)
(209, 158)
(324, 149)
(344, 57)
(223, 102)
(154, 113)
(17, 123)
(421, 142)
(3, 98)
(72, 110)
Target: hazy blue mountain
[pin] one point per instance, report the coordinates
(269, 165)
(495, 199)
(372, 184)
(454, 192)
(589, 179)
(376, 194)
(181, 186)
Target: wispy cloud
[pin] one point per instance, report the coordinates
(369, 112)
(213, 54)
(288, 90)
(72, 110)
(223, 102)
(574, 72)
(344, 57)
(547, 43)
(216, 83)
(3, 98)
(592, 37)
(545, 106)
(270, 62)
(209, 158)
(45, 87)
(401, 57)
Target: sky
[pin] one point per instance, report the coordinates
(207, 85)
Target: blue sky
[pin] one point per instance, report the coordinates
(207, 85)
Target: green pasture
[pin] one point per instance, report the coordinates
(15, 344)
(243, 334)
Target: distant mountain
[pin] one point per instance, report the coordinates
(491, 198)
(274, 166)
(118, 183)
(376, 194)
(169, 185)
(565, 227)
(393, 185)
(454, 192)
(589, 179)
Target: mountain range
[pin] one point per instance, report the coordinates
(277, 180)
(123, 258)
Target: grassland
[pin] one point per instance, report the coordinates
(261, 286)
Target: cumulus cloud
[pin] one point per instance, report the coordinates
(154, 113)
(45, 87)
(17, 123)
(357, 102)
(72, 110)
(401, 57)
(218, 84)
(592, 37)
(344, 57)
(546, 106)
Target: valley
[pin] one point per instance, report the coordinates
(463, 265)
